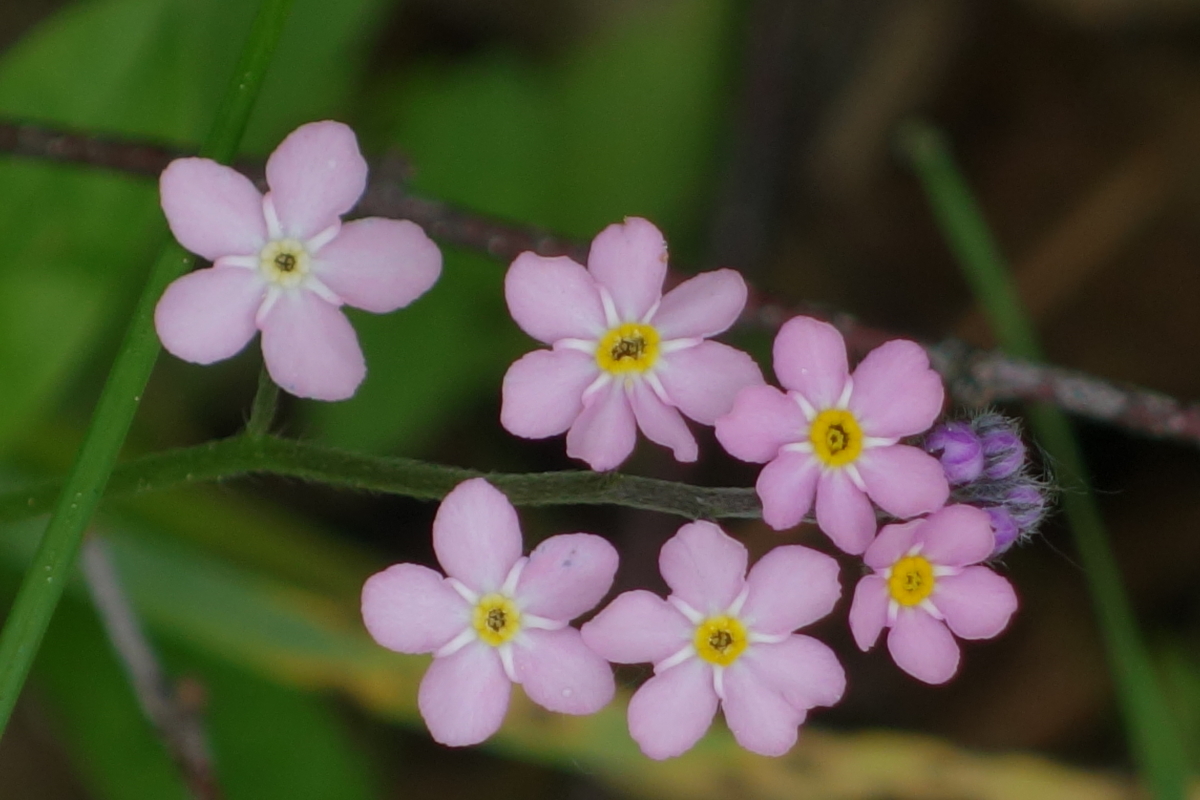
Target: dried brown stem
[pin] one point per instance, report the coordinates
(974, 377)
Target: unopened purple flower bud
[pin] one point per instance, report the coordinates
(1026, 504)
(1005, 528)
(1003, 453)
(958, 449)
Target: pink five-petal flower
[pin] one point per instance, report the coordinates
(624, 355)
(283, 264)
(496, 618)
(926, 585)
(834, 437)
(724, 638)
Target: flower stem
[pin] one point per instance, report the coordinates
(262, 411)
(1155, 746)
(43, 583)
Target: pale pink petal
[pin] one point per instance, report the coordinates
(956, 536)
(662, 424)
(763, 419)
(757, 714)
(567, 575)
(603, 435)
(702, 306)
(559, 672)
(208, 315)
(464, 696)
(553, 298)
(904, 481)
(378, 264)
(630, 261)
(923, 647)
(310, 349)
(703, 380)
(476, 535)
(893, 543)
(790, 587)
(977, 603)
(542, 393)
(704, 567)
(810, 358)
(637, 627)
(786, 487)
(316, 175)
(672, 710)
(410, 609)
(895, 391)
(212, 209)
(844, 513)
(804, 671)
(868, 610)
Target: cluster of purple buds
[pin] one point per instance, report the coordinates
(987, 465)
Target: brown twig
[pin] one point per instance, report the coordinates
(974, 377)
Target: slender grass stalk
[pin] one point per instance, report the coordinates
(1155, 745)
(43, 584)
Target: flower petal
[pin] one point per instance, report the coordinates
(476, 535)
(803, 670)
(637, 627)
(464, 696)
(553, 298)
(702, 306)
(559, 672)
(410, 609)
(893, 543)
(868, 610)
(977, 603)
(213, 210)
(810, 358)
(542, 393)
(672, 710)
(661, 423)
(703, 380)
(704, 567)
(790, 587)
(630, 261)
(310, 348)
(378, 264)
(786, 487)
(208, 315)
(895, 391)
(956, 536)
(316, 175)
(844, 512)
(923, 647)
(757, 714)
(603, 435)
(567, 575)
(762, 420)
(904, 481)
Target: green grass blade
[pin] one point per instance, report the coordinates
(1156, 747)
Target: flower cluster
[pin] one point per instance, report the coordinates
(851, 448)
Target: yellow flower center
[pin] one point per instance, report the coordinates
(284, 261)
(496, 619)
(631, 347)
(912, 580)
(836, 438)
(720, 640)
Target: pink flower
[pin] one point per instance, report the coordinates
(724, 637)
(498, 619)
(835, 435)
(284, 263)
(623, 356)
(924, 586)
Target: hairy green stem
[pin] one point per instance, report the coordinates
(1156, 748)
(43, 584)
(269, 455)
